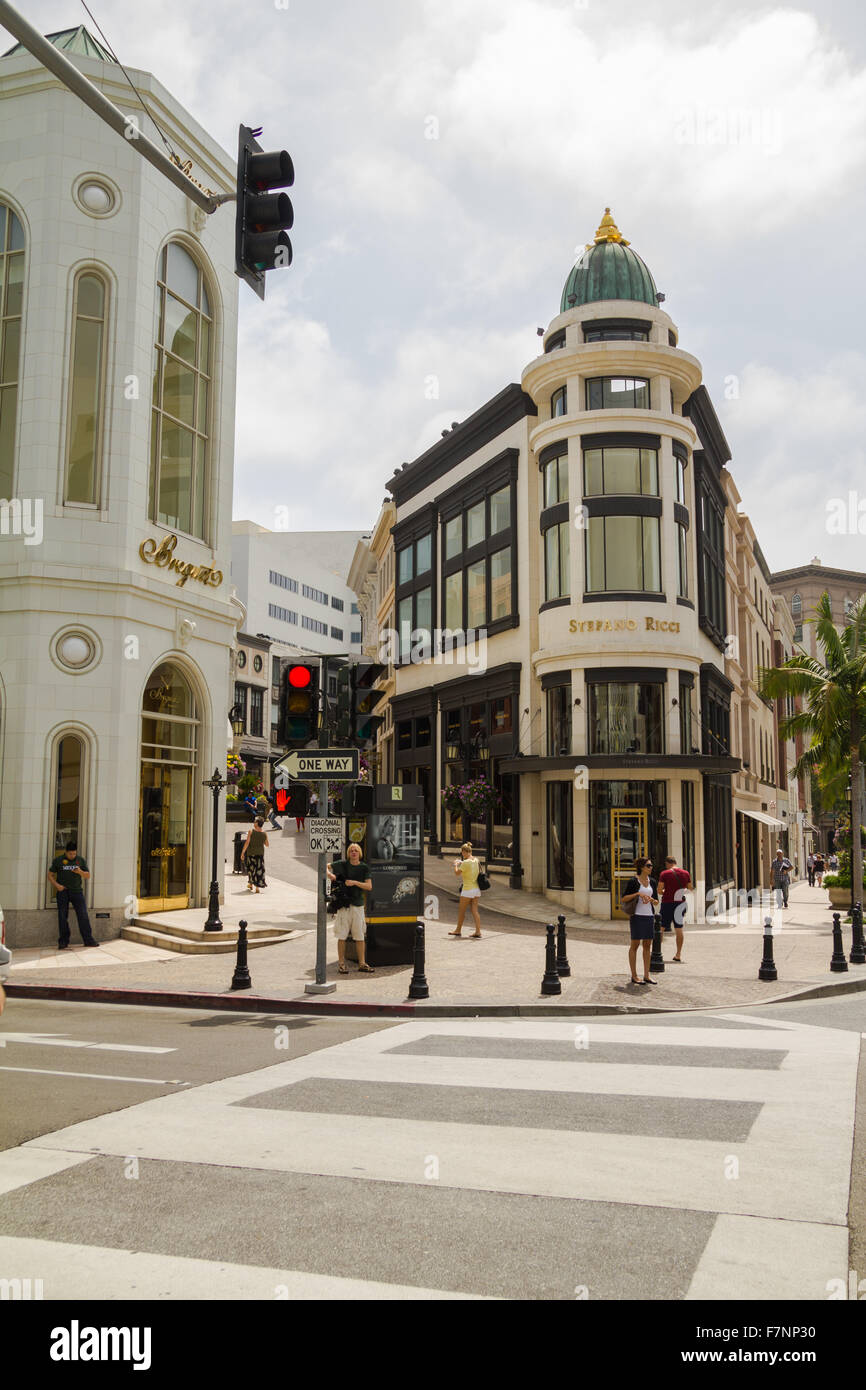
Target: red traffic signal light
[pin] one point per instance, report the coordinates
(299, 705)
(300, 677)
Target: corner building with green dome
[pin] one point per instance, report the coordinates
(577, 520)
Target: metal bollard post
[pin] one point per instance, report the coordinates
(550, 984)
(858, 945)
(657, 960)
(562, 965)
(418, 987)
(241, 977)
(768, 965)
(838, 963)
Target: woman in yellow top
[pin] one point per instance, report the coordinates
(468, 868)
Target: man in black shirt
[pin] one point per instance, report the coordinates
(67, 875)
(356, 876)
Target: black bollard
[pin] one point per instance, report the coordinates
(418, 987)
(838, 963)
(241, 977)
(768, 965)
(550, 984)
(858, 945)
(562, 965)
(657, 960)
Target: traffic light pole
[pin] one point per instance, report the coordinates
(321, 985)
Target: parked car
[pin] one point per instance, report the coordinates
(5, 953)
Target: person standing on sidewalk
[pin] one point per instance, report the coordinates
(810, 869)
(672, 911)
(640, 900)
(356, 876)
(468, 868)
(67, 875)
(780, 878)
(254, 853)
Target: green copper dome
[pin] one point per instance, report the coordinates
(608, 269)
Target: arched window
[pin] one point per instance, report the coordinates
(180, 436)
(69, 792)
(559, 403)
(11, 303)
(797, 608)
(85, 427)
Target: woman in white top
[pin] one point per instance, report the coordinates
(642, 891)
(468, 868)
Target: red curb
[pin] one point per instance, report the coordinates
(240, 1002)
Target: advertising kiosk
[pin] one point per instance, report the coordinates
(391, 837)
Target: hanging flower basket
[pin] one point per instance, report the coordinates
(476, 799)
(235, 769)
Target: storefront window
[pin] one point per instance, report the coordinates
(626, 718)
(605, 796)
(168, 759)
(404, 734)
(560, 835)
(559, 721)
(688, 802)
(502, 846)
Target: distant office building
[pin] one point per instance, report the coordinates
(294, 586)
(801, 588)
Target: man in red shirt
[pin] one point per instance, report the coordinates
(672, 909)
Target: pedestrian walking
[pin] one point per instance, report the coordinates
(780, 878)
(672, 911)
(253, 852)
(265, 809)
(468, 868)
(355, 874)
(314, 803)
(819, 870)
(640, 900)
(67, 875)
(810, 869)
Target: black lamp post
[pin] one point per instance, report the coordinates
(213, 922)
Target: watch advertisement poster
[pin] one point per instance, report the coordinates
(393, 852)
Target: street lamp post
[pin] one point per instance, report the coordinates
(213, 922)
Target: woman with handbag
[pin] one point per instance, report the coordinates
(468, 868)
(641, 901)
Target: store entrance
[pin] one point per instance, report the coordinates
(163, 875)
(628, 843)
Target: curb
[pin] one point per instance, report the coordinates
(241, 1002)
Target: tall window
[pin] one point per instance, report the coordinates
(687, 733)
(560, 835)
(682, 562)
(86, 389)
(180, 437)
(11, 300)
(559, 721)
(555, 476)
(680, 467)
(617, 393)
(67, 804)
(478, 561)
(559, 403)
(620, 470)
(797, 615)
(257, 696)
(623, 554)
(711, 572)
(556, 561)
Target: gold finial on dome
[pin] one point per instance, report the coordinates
(609, 231)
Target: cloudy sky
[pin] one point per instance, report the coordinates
(452, 155)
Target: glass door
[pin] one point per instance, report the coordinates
(628, 841)
(163, 876)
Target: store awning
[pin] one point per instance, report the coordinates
(765, 819)
(813, 828)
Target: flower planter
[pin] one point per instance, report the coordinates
(840, 897)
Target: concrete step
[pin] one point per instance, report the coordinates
(210, 943)
(157, 923)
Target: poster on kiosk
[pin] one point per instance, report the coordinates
(391, 840)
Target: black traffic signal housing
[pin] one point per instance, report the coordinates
(298, 724)
(364, 700)
(262, 216)
(343, 719)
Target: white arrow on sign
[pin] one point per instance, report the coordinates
(336, 764)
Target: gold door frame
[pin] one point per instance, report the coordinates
(620, 871)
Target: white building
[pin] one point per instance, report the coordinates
(295, 588)
(116, 446)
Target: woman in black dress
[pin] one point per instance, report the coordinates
(254, 854)
(641, 902)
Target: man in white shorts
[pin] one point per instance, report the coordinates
(356, 875)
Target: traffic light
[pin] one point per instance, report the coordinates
(299, 705)
(262, 217)
(364, 701)
(343, 721)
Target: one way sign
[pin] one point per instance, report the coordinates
(320, 764)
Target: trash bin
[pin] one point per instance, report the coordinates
(238, 867)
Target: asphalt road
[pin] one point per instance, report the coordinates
(442, 1159)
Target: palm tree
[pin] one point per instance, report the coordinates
(834, 717)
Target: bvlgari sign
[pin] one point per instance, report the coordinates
(623, 625)
(162, 555)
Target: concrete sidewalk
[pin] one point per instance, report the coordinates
(501, 973)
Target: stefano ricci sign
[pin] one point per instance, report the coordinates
(650, 624)
(162, 555)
